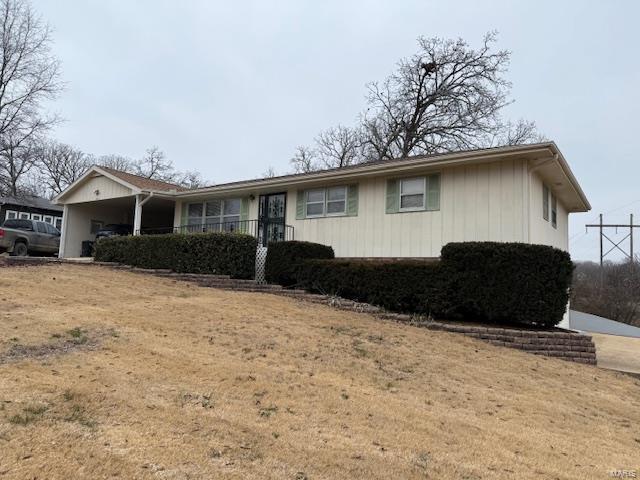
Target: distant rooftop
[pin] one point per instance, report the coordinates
(30, 201)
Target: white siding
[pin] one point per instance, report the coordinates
(107, 188)
(478, 202)
(542, 231)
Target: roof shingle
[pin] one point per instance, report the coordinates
(143, 183)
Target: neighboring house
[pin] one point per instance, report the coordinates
(30, 207)
(408, 207)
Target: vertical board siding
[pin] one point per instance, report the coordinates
(107, 188)
(477, 202)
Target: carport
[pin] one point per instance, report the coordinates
(104, 196)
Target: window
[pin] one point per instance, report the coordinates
(215, 215)
(36, 216)
(554, 211)
(51, 230)
(10, 215)
(48, 219)
(412, 193)
(315, 203)
(545, 202)
(337, 201)
(19, 224)
(58, 223)
(42, 227)
(95, 226)
(328, 202)
(24, 216)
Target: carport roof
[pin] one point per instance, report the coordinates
(143, 183)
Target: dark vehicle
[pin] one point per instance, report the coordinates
(20, 237)
(114, 230)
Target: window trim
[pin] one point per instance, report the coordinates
(325, 202)
(50, 217)
(554, 211)
(221, 217)
(424, 195)
(546, 192)
(39, 215)
(26, 216)
(15, 212)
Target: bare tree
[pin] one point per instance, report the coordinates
(269, 172)
(17, 158)
(155, 164)
(59, 165)
(115, 162)
(447, 97)
(339, 146)
(611, 291)
(189, 179)
(29, 76)
(304, 160)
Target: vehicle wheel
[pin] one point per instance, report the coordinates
(20, 249)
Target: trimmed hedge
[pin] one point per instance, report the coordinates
(505, 283)
(508, 282)
(284, 258)
(213, 253)
(409, 286)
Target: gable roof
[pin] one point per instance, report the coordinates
(30, 201)
(542, 153)
(143, 183)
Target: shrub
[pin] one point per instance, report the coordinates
(404, 286)
(212, 253)
(507, 282)
(284, 258)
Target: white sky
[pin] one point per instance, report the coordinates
(229, 88)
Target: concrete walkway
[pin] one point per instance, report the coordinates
(617, 353)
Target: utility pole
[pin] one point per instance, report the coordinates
(602, 227)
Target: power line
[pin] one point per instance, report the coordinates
(615, 245)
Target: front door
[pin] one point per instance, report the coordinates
(271, 226)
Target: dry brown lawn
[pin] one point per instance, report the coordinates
(108, 374)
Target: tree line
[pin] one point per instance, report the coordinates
(448, 96)
(30, 161)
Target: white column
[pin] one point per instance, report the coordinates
(177, 215)
(64, 236)
(137, 215)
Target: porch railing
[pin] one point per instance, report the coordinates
(269, 231)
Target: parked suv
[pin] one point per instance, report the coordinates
(114, 230)
(20, 237)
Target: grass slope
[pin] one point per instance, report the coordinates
(113, 374)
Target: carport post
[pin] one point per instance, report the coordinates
(137, 216)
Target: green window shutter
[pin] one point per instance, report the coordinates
(433, 192)
(244, 215)
(185, 212)
(352, 200)
(244, 209)
(300, 205)
(393, 198)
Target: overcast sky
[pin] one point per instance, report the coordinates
(231, 88)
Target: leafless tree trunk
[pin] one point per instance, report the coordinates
(29, 76)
